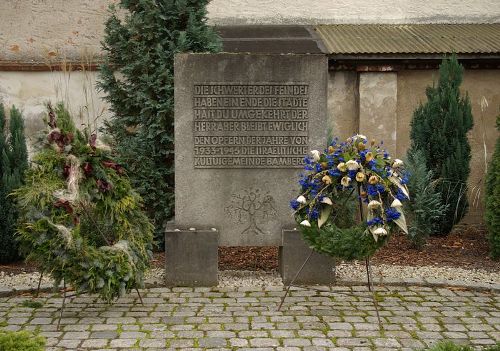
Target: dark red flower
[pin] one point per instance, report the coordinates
(66, 171)
(68, 138)
(55, 136)
(52, 116)
(64, 204)
(113, 165)
(87, 168)
(103, 185)
(92, 140)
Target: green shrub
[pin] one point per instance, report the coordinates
(13, 163)
(140, 50)
(425, 207)
(81, 221)
(21, 340)
(492, 199)
(439, 129)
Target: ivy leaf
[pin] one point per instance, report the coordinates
(325, 213)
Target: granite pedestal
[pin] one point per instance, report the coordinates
(191, 257)
(292, 255)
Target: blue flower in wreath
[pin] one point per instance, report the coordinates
(374, 221)
(392, 214)
(294, 204)
(400, 195)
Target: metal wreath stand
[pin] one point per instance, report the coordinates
(71, 296)
(367, 265)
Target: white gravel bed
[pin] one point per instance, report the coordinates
(228, 279)
(345, 272)
(357, 271)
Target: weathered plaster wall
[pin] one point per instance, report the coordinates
(343, 103)
(42, 29)
(352, 11)
(30, 91)
(378, 107)
(51, 29)
(478, 83)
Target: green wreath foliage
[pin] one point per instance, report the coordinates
(81, 221)
(348, 244)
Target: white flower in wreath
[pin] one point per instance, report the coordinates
(305, 223)
(397, 163)
(342, 167)
(345, 181)
(374, 204)
(316, 155)
(301, 200)
(352, 165)
(380, 231)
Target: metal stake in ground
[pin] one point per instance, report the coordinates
(305, 262)
(367, 263)
(63, 304)
(140, 297)
(39, 284)
(294, 278)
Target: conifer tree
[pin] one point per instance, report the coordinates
(13, 163)
(493, 200)
(439, 129)
(138, 79)
(425, 207)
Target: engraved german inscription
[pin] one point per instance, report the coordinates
(259, 125)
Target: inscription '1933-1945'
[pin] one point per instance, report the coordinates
(259, 125)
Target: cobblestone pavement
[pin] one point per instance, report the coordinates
(319, 318)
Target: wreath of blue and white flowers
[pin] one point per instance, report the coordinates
(346, 167)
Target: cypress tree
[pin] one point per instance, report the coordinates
(493, 200)
(13, 164)
(439, 129)
(138, 79)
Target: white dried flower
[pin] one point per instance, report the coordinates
(301, 200)
(345, 181)
(374, 204)
(397, 163)
(305, 223)
(380, 231)
(352, 165)
(342, 167)
(315, 155)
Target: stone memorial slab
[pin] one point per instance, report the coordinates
(243, 123)
(294, 253)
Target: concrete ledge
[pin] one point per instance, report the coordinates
(293, 253)
(191, 257)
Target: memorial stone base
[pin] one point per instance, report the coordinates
(191, 257)
(319, 270)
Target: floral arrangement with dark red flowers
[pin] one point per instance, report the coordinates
(81, 220)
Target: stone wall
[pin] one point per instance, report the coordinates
(30, 91)
(46, 29)
(478, 84)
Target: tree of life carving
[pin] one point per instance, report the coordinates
(251, 205)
